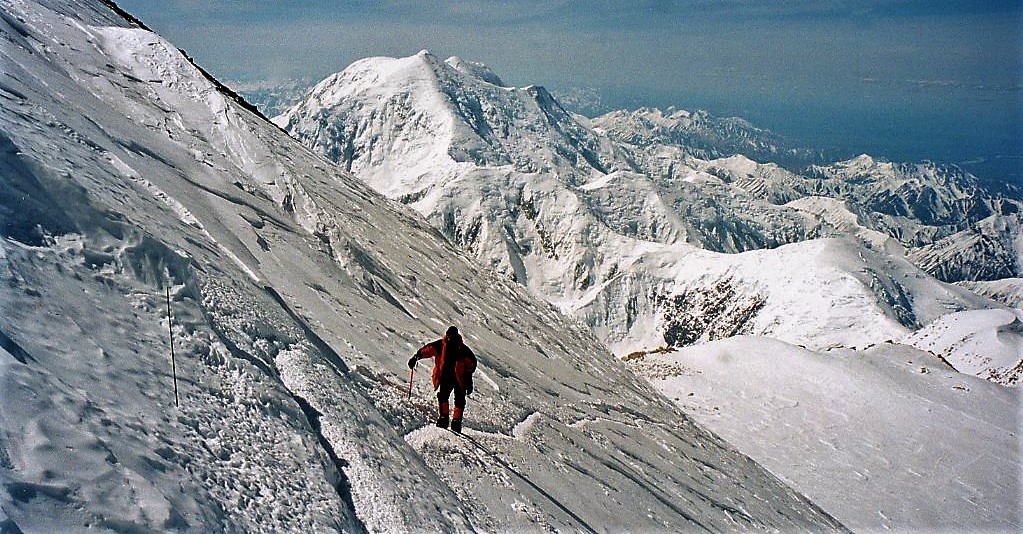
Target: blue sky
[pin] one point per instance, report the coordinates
(907, 80)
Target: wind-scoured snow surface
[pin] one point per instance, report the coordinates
(616, 223)
(887, 438)
(297, 294)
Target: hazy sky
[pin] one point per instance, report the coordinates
(904, 79)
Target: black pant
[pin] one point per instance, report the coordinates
(445, 389)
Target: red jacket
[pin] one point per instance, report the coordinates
(454, 357)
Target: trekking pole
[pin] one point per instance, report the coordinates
(170, 331)
(411, 375)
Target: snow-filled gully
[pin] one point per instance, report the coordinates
(339, 481)
(342, 485)
(291, 366)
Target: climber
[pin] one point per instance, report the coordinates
(453, 366)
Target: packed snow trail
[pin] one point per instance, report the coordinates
(422, 436)
(297, 295)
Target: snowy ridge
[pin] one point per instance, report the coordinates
(126, 173)
(698, 133)
(623, 231)
(1008, 291)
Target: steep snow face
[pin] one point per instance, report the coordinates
(888, 438)
(413, 121)
(296, 294)
(611, 232)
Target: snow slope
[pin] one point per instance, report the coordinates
(297, 294)
(626, 237)
(887, 438)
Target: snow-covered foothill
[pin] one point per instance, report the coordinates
(128, 179)
(885, 438)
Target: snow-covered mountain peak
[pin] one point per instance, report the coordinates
(863, 160)
(674, 112)
(866, 167)
(376, 75)
(424, 115)
(478, 70)
(739, 164)
(652, 116)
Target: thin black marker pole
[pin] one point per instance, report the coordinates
(170, 331)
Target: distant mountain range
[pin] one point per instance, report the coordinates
(273, 98)
(662, 228)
